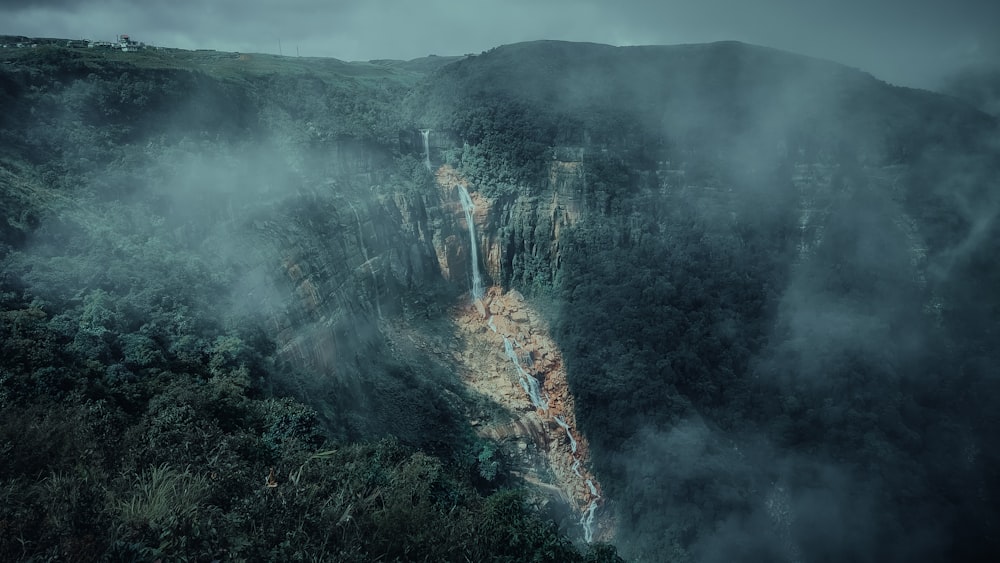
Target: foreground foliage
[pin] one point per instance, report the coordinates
(135, 460)
(145, 412)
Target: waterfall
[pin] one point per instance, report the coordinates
(527, 381)
(364, 252)
(468, 207)
(572, 441)
(587, 521)
(426, 134)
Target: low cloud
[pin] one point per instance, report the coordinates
(715, 496)
(909, 42)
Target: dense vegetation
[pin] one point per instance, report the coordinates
(147, 410)
(733, 363)
(978, 85)
(777, 305)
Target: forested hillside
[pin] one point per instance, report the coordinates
(147, 411)
(772, 280)
(779, 313)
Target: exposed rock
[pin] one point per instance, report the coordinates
(493, 375)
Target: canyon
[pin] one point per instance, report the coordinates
(496, 343)
(694, 299)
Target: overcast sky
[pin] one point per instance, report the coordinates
(908, 42)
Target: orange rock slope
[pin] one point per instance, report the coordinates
(552, 430)
(513, 318)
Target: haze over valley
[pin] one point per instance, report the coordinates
(554, 301)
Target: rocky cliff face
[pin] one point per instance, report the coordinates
(740, 211)
(519, 235)
(545, 443)
(378, 252)
(522, 234)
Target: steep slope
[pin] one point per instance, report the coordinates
(186, 237)
(769, 272)
(979, 86)
(758, 290)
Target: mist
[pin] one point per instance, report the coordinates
(770, 277)
(762, 314)
(247, 218)
(904, 42)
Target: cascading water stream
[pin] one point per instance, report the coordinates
(527, 381)
(587, 521)
(468, 207)
(426, 134)
(572, 440)
(364, 252)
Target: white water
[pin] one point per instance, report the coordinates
(364, 252)
(572, 441)
(587, 521)
(468, 207)
(426, 134)
(528, 383)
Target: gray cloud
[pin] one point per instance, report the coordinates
(905, 41)
(737, 497)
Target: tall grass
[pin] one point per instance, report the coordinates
(162, 498)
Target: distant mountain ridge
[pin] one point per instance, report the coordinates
(978, 86)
